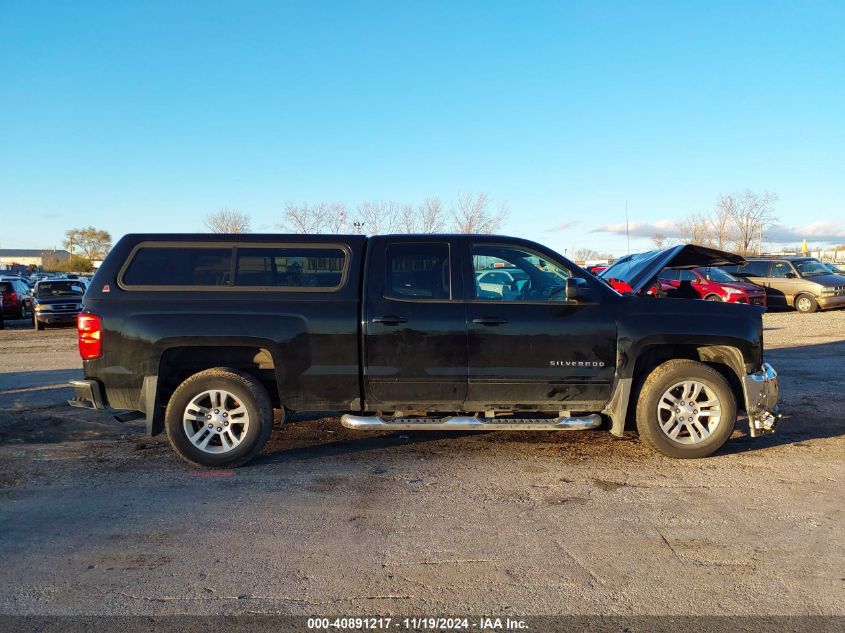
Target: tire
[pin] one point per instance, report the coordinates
(712, 298)
(654, 413)
(806, 304)
(38, 324)
(225, 446)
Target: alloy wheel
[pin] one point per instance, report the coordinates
(688, 412)
(215, 421)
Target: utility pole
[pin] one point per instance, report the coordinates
(627, 232)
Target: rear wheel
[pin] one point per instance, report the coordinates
(806, 304)
(219, 418)
(686, 409)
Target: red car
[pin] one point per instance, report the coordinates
(16, 299)
(685, 271)
(710, 284)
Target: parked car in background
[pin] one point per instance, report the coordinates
(711, 284)
(640, 273)
(16, 298)
(596, 269)
(836, 269)
(57, 301)
(803, 283)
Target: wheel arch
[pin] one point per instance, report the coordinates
(179, 362)
(726, 359)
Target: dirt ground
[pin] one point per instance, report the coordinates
(96, 518)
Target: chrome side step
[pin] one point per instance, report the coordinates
(468, 423)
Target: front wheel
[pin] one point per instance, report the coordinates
(806, 304)
(219, 418)
(38, 324)
(686, 409)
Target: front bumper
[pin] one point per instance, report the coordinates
(51, 318)
(761, 400)
(88, 395)
(826, 303)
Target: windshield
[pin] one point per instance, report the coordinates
(717, 274)
(48, 289)
(810, 267)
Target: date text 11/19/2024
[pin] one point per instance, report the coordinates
(418, 623)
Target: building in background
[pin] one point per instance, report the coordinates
(19, 259)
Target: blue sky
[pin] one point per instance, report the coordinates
(145, 116)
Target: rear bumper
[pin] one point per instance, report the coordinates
(88, 395)
(762, 392)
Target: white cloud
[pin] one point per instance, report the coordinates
(641, 229)
(820, 231)
(563, 226)
(823, 231)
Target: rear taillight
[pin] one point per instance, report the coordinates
(90, 327)
(13, 298)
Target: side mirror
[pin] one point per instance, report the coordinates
(577, 288)
(791, 276)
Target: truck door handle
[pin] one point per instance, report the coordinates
(490, 321)
(389, 320)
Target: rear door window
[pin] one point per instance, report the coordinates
(755, 268)
(418, 271)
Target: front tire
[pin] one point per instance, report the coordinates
(38, 324)
(219, 418)
(806, 304)
(712, 298)
(686, 409)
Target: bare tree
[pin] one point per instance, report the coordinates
(302, 218)
(584, 254)
(695, 229)
(723, 227)
(659, 240)
(336, 217)
(92, 243)
(227, 220)
(378, 217)
(427, 217)
(472, 214)
(408, 219)
(751, 214)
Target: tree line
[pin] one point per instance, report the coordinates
(468, 213)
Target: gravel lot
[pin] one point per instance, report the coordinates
(96, 518)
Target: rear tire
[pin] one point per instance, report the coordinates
(240, 424)
(806, 304)
(689, 400)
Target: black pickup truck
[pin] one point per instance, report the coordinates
(205, 335)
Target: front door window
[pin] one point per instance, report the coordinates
(509, 273)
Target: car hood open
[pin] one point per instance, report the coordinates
(639, 270)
